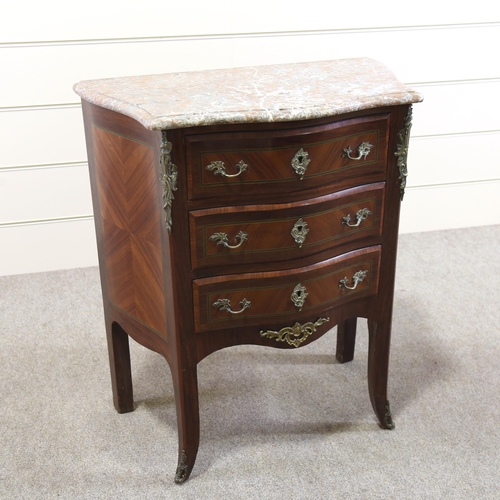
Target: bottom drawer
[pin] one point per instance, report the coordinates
(257, 298)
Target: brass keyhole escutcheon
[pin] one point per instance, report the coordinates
(299, 232)
(299, 296)
(300, 162)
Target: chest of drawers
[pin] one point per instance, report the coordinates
(246, 206)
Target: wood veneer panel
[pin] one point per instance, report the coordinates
(140, 183)
(127, 177)
(110, 181)
(119, 264)
(147, 282)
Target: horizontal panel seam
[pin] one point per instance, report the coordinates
(40, 107)
(454, 82)
(92, 41)
(55, 220)
(455, 184)
(16, 168)
(454, 134)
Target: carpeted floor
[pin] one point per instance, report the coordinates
(274, 424)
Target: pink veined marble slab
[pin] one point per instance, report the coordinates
(281, 92)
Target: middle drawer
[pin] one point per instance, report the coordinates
(270, 233)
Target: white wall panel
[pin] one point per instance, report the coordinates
(44, 193)
(56, 68)
(45, 74)
(42, 136)
(453, 158)
(295, 15)
(100, 19)
(449, 54)
(414, 55)
(452, 108)
(35, 248)
(450, 206)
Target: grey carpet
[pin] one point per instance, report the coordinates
(274, 424)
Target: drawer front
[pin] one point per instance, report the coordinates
(270, 233)
(278, 161)
(265, 298)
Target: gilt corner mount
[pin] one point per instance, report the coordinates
(168, 178)
(402, 152)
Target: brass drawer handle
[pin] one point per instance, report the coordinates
(299, 296)
(225, 305)
(357, 278)
(300, 162)
(218, 168)
(361, 215)
(363, 149)
(299, 232)
(222, 239)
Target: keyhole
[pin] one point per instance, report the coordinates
(301, 159)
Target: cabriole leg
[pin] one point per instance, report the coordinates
(378, 368)
(188, 419)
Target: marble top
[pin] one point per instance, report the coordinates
(281, 92)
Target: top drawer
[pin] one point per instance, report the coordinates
(245, 163)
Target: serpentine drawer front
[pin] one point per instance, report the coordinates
(246, 206)
(262, 298)
(246, 162)
(266, 233)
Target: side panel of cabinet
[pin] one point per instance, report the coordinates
(126, 179)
